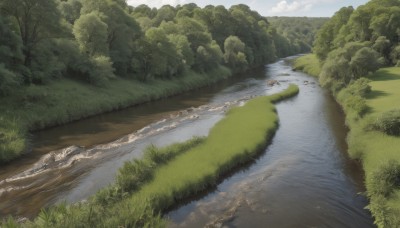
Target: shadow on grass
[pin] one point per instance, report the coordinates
(376, 94)
(384, 75)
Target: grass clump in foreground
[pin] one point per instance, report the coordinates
(147, 187)
(308, 64)
(65, 100)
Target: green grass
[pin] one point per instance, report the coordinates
(377, 149)
(308, 64)
(167, 176)
(37, 107)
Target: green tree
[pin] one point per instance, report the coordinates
(364, 61)
(10, 45)
(70, 10)
(234, 53)
(8, 81)
(326, 39)
(36, 20)
(91, 34)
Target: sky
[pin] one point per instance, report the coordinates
(309, 8)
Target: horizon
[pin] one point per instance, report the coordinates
(280, 8)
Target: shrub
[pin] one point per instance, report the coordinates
(359, 87)
(388, 122)
(384, 179)
(8, 81)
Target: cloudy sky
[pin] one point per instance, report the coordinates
(310, 8)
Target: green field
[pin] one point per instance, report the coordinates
(377, 149)
(62, 101)
(147, 187)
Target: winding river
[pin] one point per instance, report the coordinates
(304, 178)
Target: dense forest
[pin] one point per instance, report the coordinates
(94, 41)
(299, 31)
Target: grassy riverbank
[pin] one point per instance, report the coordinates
(308, 64)
(65, 100)
(378, 151)
(163, 177)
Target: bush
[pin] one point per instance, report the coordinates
(360, 87)
(388, 122)
(8, 81)
(385, 179)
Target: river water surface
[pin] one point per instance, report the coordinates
(304, 178)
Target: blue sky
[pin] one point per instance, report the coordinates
(309, 8)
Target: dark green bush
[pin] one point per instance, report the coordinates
(388, 122)
(385, 179)
(359, 87)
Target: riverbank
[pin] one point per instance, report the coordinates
(378, 151)
(163, 177)
(65, 100)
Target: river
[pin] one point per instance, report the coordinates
(304, 178)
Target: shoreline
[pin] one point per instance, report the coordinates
(54, 105)
(376, 150)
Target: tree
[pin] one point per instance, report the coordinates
(122, 31)
(326, 39)
(70, 10)
(36, 20)
(10, 46)
(8, 81)
(234, 53)
(91, 34)
(382, 46)
(364, 61)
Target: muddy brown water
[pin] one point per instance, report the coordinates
(304, 178)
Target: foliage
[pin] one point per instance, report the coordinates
(140, 42)
(388, 122)
(234, 53)
(385, 179)
(295, 34)
(355, 43)
(8, 81)
(91, 34)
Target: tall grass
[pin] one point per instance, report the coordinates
(145, 188)
(37, 107)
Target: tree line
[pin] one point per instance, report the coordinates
(354, 43)
(298, 33)
(95, 41)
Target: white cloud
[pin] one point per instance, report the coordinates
(285, 7)
(156, 3)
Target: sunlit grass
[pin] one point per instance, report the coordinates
(308, 64)
(65, 100)
(377, 148)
